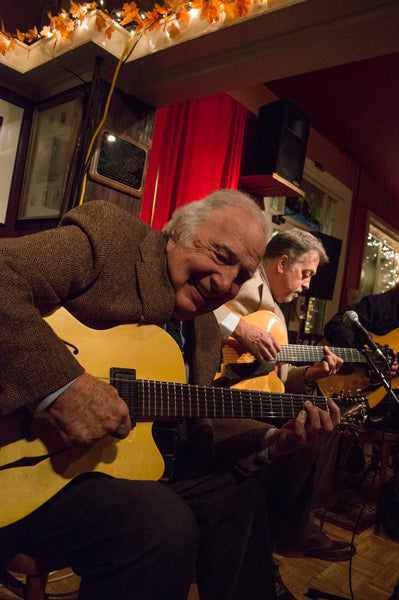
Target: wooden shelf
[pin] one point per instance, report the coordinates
(269, 185)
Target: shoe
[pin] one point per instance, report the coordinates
(319, 545)
(280, 590)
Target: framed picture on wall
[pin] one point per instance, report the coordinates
(10, 128)
(120, 162)
(52, 145)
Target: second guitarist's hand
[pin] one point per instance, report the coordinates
(88, 410)
(260, 343)
(329, 365)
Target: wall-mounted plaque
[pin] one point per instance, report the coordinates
(120, 162)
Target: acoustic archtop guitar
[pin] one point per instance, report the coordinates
(268, 380)
(35, 463)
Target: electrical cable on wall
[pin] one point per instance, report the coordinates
(126, 53)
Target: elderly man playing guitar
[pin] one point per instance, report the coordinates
(130, 538)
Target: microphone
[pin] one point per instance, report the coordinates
(351, 319)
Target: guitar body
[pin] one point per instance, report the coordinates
(358, 381)
(233, 352)
(49, 465)
(351, 383)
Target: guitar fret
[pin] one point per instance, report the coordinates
(214, 405)
(153, 392)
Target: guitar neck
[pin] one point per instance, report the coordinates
(151, 400)
(294, 353)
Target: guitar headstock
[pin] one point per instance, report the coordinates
(354, 409)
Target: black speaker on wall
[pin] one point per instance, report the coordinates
(281, 142)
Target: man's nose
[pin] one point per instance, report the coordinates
(306, 283)
(223, 281)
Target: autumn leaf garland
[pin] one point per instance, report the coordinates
(167, 16)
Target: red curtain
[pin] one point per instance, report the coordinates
(196, 149)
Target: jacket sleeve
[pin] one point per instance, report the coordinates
(38, 272)
(69, 266)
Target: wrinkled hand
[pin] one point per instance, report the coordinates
(260, 343)
(309, 425)
(88, 410)
(329, 365)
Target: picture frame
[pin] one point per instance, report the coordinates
(52, 144)
(120, 162)
(11, 117)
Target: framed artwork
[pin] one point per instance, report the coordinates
(52, 145)
(10, 128)
(120, 162)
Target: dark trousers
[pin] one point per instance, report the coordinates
(296, 484)
(132, 540)
(235, 555)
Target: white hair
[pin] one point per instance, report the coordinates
(188, 217)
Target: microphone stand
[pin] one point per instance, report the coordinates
(368, 354)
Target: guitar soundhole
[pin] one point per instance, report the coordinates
(121, 379)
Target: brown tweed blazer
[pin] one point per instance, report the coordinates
(107, 268)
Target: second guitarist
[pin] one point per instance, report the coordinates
(291, 259)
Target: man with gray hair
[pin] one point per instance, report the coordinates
(127, 538)
(290, 261)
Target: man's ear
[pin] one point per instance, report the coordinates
(282, 263)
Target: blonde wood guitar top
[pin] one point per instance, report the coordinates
(33, 470)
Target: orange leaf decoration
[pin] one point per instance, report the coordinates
(61, 26)
(20, 36)
(210, 11)
(130, 12)
(230, 8)
(169, 15)
(184, 16)
(102, 21)
(109, 31)
(31, 36)
(173, 30)
(243, 6)
(152, 19)
(79, 11)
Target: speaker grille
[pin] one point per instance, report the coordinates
(280, 142)
(290, 163)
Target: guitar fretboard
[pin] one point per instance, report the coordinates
(295, 353)
(158, 399)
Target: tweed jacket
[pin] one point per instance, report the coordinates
(107, 268)
(255, 295)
